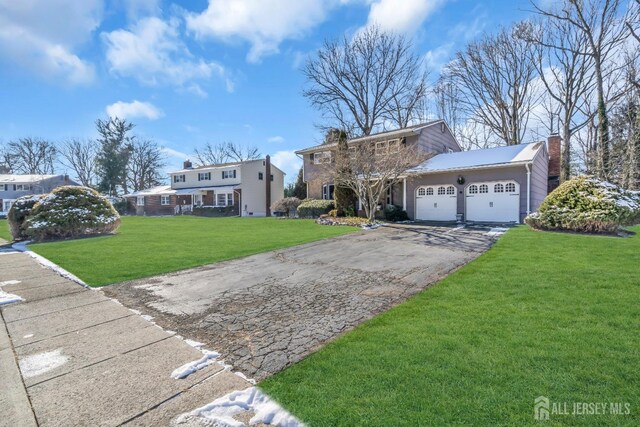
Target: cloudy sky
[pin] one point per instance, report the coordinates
(190, 72)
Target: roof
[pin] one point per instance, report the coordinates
(25, 178)
(221, 166)
(474, 159)
(398, 133)
(154, 191)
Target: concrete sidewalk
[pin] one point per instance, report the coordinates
(71, 356)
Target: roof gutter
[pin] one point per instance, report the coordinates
(499, 165)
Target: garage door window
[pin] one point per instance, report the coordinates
(484, 188)
(441, 191)
(498, 188)
(429, 191)
(510, 187)
(421, 192)
(451, 190)
(473, 189)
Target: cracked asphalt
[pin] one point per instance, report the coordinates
(267, 311)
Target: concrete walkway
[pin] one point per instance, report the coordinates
(71, 356)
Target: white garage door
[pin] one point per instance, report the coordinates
(436, 203)
(493, 202)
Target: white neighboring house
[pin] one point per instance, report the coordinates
(242, 187)
(13, 186)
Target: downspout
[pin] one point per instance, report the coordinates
(528, 166)
(404, 194)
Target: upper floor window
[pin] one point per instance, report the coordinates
(140, 201)
(382, 147)
(271, 176)
(260, 176)
(322, 157)
(165, 200)
(179, 178)
(4, 187)
(394, 146)
(23, 187)
(229, 174)
(204, 176)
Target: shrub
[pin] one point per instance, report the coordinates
(18, 214)
(71, 211)
(215, 212)
(286, 205)
(395, 213)
(313, 208)
(352, 221)
(333, 213)
(587, 205)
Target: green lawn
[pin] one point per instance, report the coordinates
(148, 246)
(4, 230)
(545, 314)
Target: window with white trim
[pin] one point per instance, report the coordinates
(441, 191)
(165, 200)
(327, 191)
(421, 191)
(394, 146)
(23, 187)
(4, 187)
(484, 188)
(498, 188)
(229, 174)
(429, 191)
(204, 176)
(322, 157)
(382, 147)
(140, 201)
(510, 187)
(7, 205)
(473, 189)
(179, 178)
(451, 190)
(229, 199)
(224, 199)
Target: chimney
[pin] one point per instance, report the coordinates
(267, 180)
(554, 145)
(188, 164)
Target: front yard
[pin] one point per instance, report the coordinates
(539, 314)
(146, 246)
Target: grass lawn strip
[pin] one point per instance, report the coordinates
(147, 246)
(539, 314)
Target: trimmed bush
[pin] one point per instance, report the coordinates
(71, 211)
(586, 205)
(395, 213)
(19, 212)
(313, 208)
(286, 205)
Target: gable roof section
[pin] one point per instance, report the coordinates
(476, 159)
(204, 168)
(6, 178)
(398, 133)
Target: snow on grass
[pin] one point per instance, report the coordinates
(208, 358)
(221, 411)
(497, 231)
(7, 298)
(38, 364)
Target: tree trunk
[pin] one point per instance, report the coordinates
(565, 157)
(604, 166)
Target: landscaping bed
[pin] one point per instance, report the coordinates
(539, 314)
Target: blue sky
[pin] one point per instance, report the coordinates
(191, 72)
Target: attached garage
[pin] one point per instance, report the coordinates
(493, 201)
(436, 203)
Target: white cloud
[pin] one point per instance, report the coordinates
(175, 153)
(262, 23)
(153, 53)
(41, 35)
(275, 139)
(137, 8)
(134, 109)
(288, 162)
(403, 18)
(436, 58)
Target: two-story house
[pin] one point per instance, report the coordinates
(13, 186)
(250, 187)
(501, 184)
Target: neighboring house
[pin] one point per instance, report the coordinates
(14, 186)
(502, 184)
(250, 187)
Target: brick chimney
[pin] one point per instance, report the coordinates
(267, 180)
(188, 164)
(554, 145)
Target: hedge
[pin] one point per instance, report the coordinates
(19, 212)
(313, 208)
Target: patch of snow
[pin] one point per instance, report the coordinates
(497, 231)
(22, 247)
(371, 226)
(244, 377)
(38, 364)
(194, 344)
(221, 411)
(10, 282)
(7, 298)
(184, 371)
(147, 317)
(27, 336)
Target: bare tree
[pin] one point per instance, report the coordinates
(80, 156)
(32, 156)
(144, 169)
(370, 171)
(359, 83)
(567, 77)
(604, 30)
(495, 79)
(213, 154)
(7, 162)
(447, 101)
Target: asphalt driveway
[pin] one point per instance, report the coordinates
(267, 311)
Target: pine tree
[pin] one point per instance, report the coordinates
(300, 188)
(344, 197)
(114, 149)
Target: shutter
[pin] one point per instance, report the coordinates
(234, 173)
(222, 174)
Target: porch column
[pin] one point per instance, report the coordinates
(404, 194)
